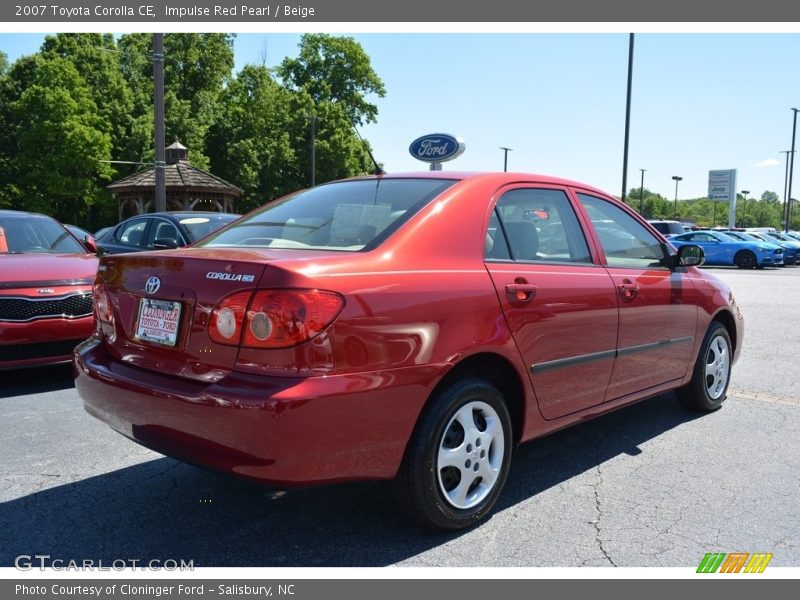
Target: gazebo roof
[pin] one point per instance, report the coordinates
(180, 175)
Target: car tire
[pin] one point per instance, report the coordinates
(457, 460)
(712, 372)
(745, 260)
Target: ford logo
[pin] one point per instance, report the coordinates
(437, 147)
(152, 285)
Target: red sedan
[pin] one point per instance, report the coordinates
(410, 327)
(46, 279)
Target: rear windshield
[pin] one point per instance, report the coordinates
(200, 226)
(347, 215)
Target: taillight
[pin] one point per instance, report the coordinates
(274, 318)
(227, 319)
(103, 313)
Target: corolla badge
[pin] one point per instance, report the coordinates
(230, 276)
(152, 285)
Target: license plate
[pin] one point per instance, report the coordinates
(158, 321)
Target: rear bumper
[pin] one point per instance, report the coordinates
(283, 431)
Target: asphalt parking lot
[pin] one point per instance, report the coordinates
(650, 485)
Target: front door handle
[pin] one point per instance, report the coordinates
(521, 291)
(628, 290)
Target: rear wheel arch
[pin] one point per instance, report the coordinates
(498, 371)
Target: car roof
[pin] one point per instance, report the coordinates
(180, 213)
(22, 213)
(501, 177)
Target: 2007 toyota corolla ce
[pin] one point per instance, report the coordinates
(411, 327)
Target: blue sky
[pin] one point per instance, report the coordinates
(701, 101)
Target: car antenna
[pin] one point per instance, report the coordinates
(378, 170)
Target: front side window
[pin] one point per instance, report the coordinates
(625, 241)
(347, 215)
(535, 225)
(133, 233)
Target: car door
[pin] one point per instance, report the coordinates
(657, 306)
(560, 305)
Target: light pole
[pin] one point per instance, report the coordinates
(641, 194)
(791, 170)
(677, 178)
(627, 119)
(505, 157)
(785, 182)
(744, 203)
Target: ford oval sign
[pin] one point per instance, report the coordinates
(437, 147)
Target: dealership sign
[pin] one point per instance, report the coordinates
(722, 184)
(437, 147)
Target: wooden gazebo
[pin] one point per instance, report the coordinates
(188, 188)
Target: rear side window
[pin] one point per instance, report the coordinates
(535, 225)
(348, 215)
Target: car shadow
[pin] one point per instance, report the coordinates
(35, 380)
(163, 509)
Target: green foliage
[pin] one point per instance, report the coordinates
(750, 212)
(86, 98)
(59, 143)
(335, 69)
(196, 69)
(251, 142)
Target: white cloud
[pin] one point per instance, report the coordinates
(770, 162)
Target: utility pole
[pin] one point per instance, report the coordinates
(313, 150)
(158, 102)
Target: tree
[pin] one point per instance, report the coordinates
(334, 69)
(58, 140)
(251, 142)
(96, 59)
(196, 69)
(261, 139)
(3, 62)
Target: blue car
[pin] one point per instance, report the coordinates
(791, 249)
(788, 253)
(722, 249)
(779, 237)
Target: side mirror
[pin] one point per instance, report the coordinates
(90, 244)
(165, 244)
(690, 256)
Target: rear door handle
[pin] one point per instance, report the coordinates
(521, 292)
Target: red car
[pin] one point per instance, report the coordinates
(410, 327)
(46, 279)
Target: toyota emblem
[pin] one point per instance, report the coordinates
(152, 285)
